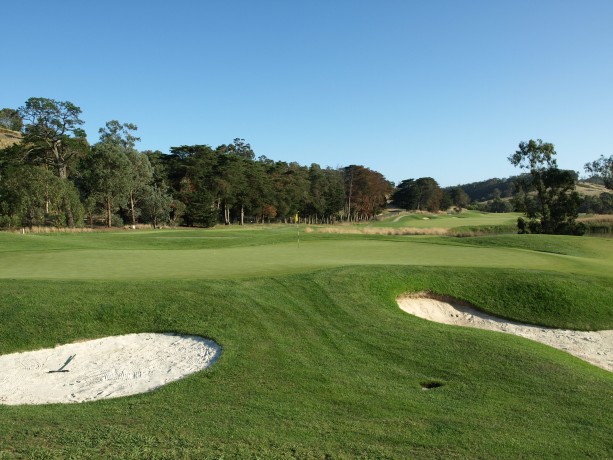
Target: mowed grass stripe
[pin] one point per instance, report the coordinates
(273, 259)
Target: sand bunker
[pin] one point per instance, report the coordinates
(104, 368)
(594, 347)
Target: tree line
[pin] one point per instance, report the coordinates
(54, 176)
(544, 193)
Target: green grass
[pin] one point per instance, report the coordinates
(218, 254)
(318, 361)
(451, 221)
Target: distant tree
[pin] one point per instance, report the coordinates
(31, 195)
(177, 211)
(106, 173)
(602, 204)
(140, 176)
(241, 149)
(53, 136)
(554, 206)
(139, 182)
(269, 212)
(200, 209)
(603, 168)
(489, 189)
(158, 163)
(498, 205)
(118, 133)
(416, 195)
(10, 119)
(430, 194)
(459, 198)
(446, 202)
(156, 205)
(326, 195)
(406, 195)
(366, 192)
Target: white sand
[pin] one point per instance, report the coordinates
(104, 368)
(594, 347)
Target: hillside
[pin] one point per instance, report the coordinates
(504, 188)
(591, 189)
(8, 138)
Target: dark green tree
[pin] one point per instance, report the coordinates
(32, 195)
(200, 210)
(406, 195)
(10, 119)
(52, 134)
(106, 173)
(430, 194)
(459, 198)
(553, 205)
(156, 205)
(418, 195)
(241, 149)
(602, 168)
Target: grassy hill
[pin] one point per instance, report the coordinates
(8, 138)
(486, 190)
(591, 189)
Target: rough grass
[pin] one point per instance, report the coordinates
(590, 189)
(598, 225)
(8, 138)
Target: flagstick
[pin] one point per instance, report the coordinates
(298, 230)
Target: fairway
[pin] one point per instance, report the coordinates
(449, 221)
(318, 360)
(197, 256)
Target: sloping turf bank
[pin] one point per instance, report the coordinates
(324, 363)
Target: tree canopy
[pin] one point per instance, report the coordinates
(423, 194)
(603, 169)
(52, 175)
(10, 119)
(549, 198)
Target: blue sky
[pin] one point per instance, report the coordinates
(438, 88)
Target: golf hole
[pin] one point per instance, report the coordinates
(109, 367)
(428, 385)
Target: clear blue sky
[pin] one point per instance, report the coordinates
(445, 89)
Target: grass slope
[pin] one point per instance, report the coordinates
(8, 138)
(321, 362)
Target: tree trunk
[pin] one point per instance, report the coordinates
(108, 213)
(226, 214)
(132, 210)
(69, 216)
(242, 214)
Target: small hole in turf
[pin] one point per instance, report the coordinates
(430, 384)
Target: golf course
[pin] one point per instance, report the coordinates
(317, 360)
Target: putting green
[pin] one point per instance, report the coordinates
(270, 259)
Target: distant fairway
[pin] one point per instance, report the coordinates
(464, 219)
(318, 360)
